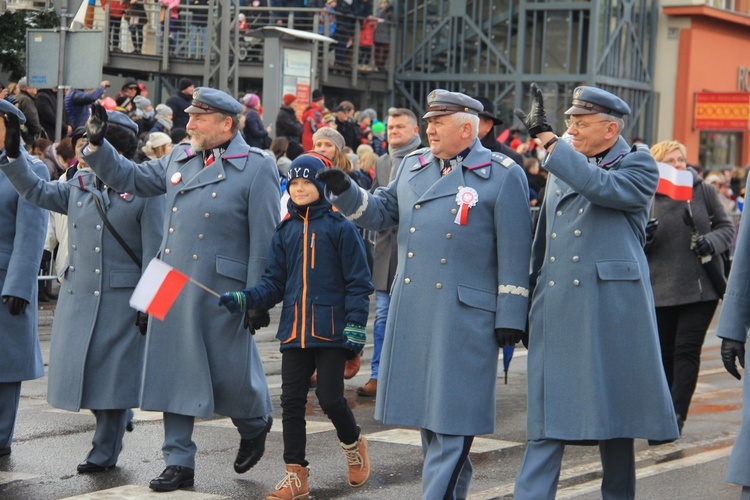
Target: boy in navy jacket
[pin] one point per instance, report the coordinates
(318, 267)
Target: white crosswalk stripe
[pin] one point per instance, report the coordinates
(134, 491)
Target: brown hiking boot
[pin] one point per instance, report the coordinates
(293, 486)
(370, 389)
(357, 461)
(352, 367)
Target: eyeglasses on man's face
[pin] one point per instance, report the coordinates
(579, 125)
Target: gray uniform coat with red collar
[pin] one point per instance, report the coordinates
(594, 364)
(455, 283)
(217, 230)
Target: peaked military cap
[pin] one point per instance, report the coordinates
(591, 100)
(121, 119)
(6, 107)
(443, 102)
(208, 100)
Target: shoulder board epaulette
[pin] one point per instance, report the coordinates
(505, 161)
(417, 152)
(259, 151)
(640, 147)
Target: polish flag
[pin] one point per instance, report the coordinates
(676, 184)
(157, 289)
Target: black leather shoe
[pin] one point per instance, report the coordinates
(251, 450)
(173, 478)
(4, 451)
(86, 467)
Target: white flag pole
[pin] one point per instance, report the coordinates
(201, 285)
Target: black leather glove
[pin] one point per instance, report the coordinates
(256, 319)
(507, 336)
(335, 180)
(16, 305)
(702, 246)
(651, 226)
(96, 126)
(731, 350)
(12, 135)
(536, 120)
(141, 321)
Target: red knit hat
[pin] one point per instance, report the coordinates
(289, 99)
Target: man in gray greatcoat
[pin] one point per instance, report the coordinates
(733, 327)
(222, 208)
(96, 354)
(594, 365)
(403, 138)
(461, 285)
(22, 230)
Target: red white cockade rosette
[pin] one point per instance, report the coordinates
(466, 198)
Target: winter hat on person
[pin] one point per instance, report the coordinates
(164, 110)
(185, 83)
(142, 103)
(288, 99)
(250, 100)
(317, 95)
(378, 128)
(157, 139)
(307, 166)
(332, 135)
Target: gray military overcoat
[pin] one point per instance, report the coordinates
(734, 323)
(96, 354)
(454, 285)
(594, 364)
(218, 228)
(22, 230)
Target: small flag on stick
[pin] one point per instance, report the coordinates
(157, 289)
(676, 184)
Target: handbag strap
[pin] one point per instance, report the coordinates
(115, 233)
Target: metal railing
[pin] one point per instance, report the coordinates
(188, 38)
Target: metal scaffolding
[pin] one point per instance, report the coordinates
(496, 49)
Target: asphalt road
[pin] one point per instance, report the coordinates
(49, 443)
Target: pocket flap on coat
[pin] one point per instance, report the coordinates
(231, 268)
(123, 279)
(618, 270)
(481, 299)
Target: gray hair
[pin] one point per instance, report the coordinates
(620, 122)
(22, 85)
(471, 119)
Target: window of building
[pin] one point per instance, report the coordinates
(719, 150)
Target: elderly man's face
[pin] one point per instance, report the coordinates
(591, 134)
(447, 138)
(208, 130)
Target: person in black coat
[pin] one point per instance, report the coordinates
(46, 106)
(487, 123)
(287, 124)
(346, 125)
(180, 102)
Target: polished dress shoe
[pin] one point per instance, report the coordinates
(4, 451)
(251, 450)
(173, 478)
(87, 467)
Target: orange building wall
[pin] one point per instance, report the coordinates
(710, 54)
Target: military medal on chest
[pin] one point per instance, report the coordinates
(176, 178)
(466, 198)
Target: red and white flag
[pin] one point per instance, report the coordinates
(676, 184)
(157, 289)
